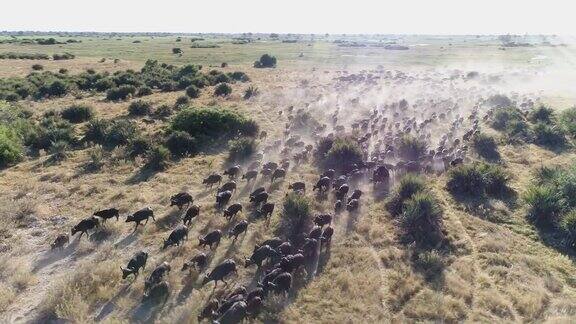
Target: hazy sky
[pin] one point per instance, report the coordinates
(293, 16)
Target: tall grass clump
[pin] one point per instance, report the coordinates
(241, 149)
(339, 153)
(421, 220)
(411, 148)
(542, 114)
(550, 136)
(567, 121)
(222, 90)
(477, 180)
(140, 108)
(485, 146)
(296, 211)
(409, 185)
(181, 143)
(208, 125)
(157, 158)
(77, 113)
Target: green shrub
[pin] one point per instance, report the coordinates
(182, 101)
(121, 132)
(52, 129)
(568, 121)
(266, 61)
(192, 91)
(545, 205)
(343, 154)
(157, 158)
(11, 149)
(485, 146)
(222, 90)
(95, 159)
(37, 67)
(477, 179)
(542, 114)
(241, 149)
(239, 76)
(411, 148)
(104, 84)
(139, 108)
(96, 131)
(503, 116)
(568, 225)
(163, 111)
(210, 124)
(550, 136)
(59, 150)
(77, 113)
(138, 146)
(251, 92)
(120, 93)
(409, 185)
(430, 262)
(144, 91)
(181, 143)
(296, 211)
(57, 88)
(421, 219)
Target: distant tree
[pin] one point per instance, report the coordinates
(266, 61)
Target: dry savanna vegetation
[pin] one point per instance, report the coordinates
(328, 180)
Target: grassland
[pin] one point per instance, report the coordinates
(498, 269)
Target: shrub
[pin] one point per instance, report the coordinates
(209, 124)
(157, 158)
(121, 132)
(138, 146)
(542, 114)
(411, 148)
(57, 88)
(182, 101)
(343, 154)
(266, 61)
(241, 149)
(485, 146)
(176, 50)
(163, 111)
(63, 71)
(59, 150)
(476, 180)
(568, 225)
(96, 158)
(181, 143)
(221, 78)
(222, 90)
(499, 101)
(409, 185)
(37, 67)
(421, 219)
(144, 91)
(77, 113)
(295, 215)
(104, 84)
(51, 130)
(545, 205)
(96, 131)
(239, 76)
(568, 121)
(192, 91)
(120, 93)
(11, 149)
(549, 136)
(251, 92)
(502, 117)
(430, 262)
(139, 108)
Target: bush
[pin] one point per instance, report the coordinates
(181, 143)
(568, 225)
(176, 50)
(241, 149)
(11, 149)
(59, 150)
(192, 91)
(121, 132)
(57, 88)
(421, 220)
(499, 101)
(223, 90)
(411, 148)
(251, 92)
(239, 76)
(96, 131)
(266, 61)
(343, 154)
(409, 185)
(549, 136)
(157, 158)
(163, 111)
(144, 91)
(542, 114)
(139, 108)
(545, 205)
(104, 84)
(63, 71)
(37, 67)
(210, 124)
(476, 180)
(77, 113)
(568, 121)
(485, 146)
(120, 93)
(51, 130)
(430, 262)
(138, 146)
(295, 215)
(182, 101)
(96, 158)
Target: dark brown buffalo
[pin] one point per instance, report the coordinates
(192, 212)
(139, 216)
(238, 229)
(212, 179)
(220, 272)
(210, 239)
(108, 213)
(86, 224)
(197, 262)
(138, 261)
